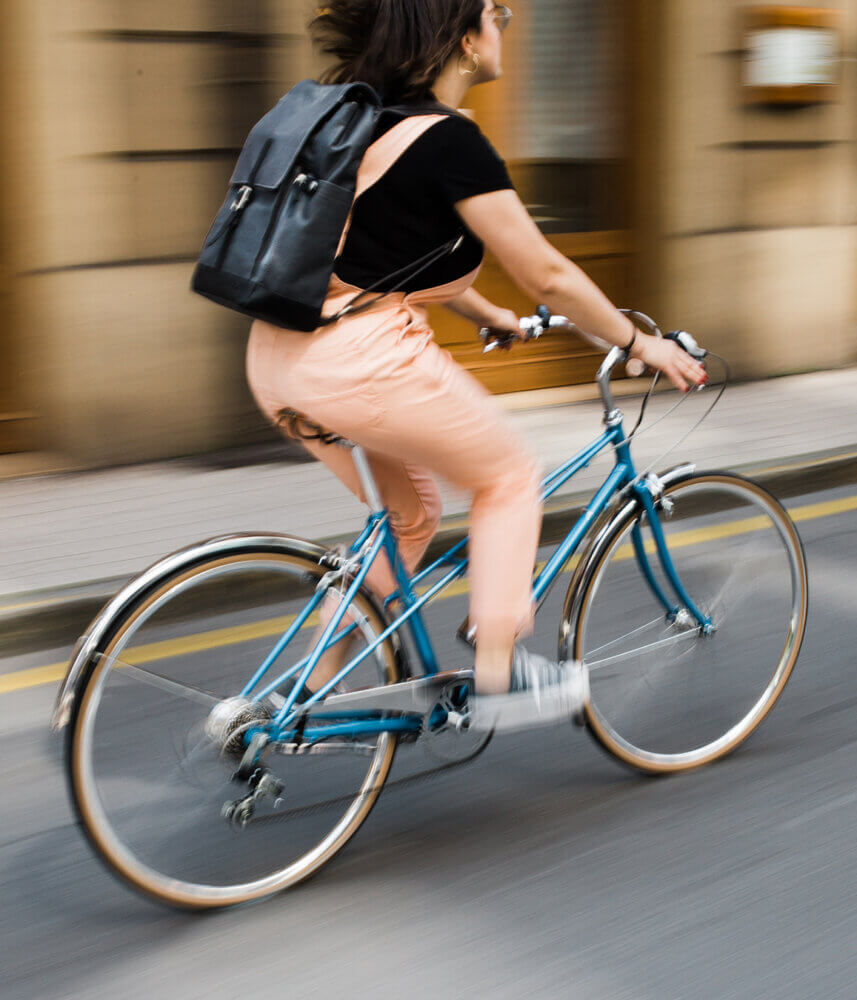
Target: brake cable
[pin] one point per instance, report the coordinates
(638, 431)
(534, 326)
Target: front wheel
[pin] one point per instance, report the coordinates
(156, 792)
(667, 695)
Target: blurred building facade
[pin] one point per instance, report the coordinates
(624, 126)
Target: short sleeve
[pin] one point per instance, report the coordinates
(468, 164)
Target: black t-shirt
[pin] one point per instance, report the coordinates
(409, 212)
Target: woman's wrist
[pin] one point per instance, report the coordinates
(497, 316)
(500, 319)
(635, 345)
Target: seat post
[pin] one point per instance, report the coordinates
(367, 480)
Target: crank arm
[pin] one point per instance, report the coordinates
(325, 747)
(414, 697)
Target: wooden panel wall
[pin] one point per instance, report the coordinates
(555, 360)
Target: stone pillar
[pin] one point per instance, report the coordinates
(750, 230)
(18, 430)
(133, 116)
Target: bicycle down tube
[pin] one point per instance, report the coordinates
(378, 538)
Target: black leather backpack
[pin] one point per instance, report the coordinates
(271, 250)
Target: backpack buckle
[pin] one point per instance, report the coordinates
(303, 182)
(244, 194)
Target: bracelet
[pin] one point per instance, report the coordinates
(632, 342)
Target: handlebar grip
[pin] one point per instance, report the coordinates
(686, 342)
(492, 342)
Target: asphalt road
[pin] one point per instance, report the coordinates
(542, 869)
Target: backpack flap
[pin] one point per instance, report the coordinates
(276, 141)
(271, 249)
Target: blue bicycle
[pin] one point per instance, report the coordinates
(205, 774)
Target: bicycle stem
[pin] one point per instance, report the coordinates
(611, 414)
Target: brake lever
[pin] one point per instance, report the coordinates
(531, 328)
(493, 341)
(687, 343)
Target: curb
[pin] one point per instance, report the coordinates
(47, 619)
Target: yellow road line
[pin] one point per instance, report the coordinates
(814, 511)
(758, 470)
(19, 680)
(217, 638)
(201, 642)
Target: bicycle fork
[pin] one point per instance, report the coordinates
(684, 613)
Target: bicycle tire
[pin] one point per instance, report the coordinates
(169, 605)
(651, 707)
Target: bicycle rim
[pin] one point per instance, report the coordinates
(147, 780)
(665, 696)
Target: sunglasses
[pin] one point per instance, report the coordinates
(502, 15)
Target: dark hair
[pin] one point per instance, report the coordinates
(398, 47)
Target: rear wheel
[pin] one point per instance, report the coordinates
(153, 786)
(666, 696)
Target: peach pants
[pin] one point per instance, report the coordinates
(379, 379)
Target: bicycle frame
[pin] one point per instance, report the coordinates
(378, 537)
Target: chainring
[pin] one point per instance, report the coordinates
(450, 739)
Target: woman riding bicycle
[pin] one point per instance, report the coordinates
(379, 379)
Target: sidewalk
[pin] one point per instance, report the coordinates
(73, 536)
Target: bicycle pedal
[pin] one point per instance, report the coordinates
(466, 633)
(238, 813)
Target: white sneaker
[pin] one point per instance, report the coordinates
(541, 692)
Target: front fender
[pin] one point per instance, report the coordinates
(92, 639)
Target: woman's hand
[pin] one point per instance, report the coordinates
(476, 308)
(667, 357)
(506, 326)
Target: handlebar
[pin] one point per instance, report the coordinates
(532, 327)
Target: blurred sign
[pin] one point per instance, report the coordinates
(792, 55)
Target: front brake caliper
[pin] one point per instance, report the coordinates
(655, 486)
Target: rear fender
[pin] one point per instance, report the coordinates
(98, 632)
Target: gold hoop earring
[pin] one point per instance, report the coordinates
(468, 72)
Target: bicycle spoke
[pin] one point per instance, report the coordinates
(189, 759)
(670, 697)
(149, 677)
(161, 795)
(639, 650)
(716, 602)
(270, 691)
(613, 642)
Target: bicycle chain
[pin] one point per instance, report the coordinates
(345, 799)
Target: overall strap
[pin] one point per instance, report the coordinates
(378, 159)
(383, 153)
